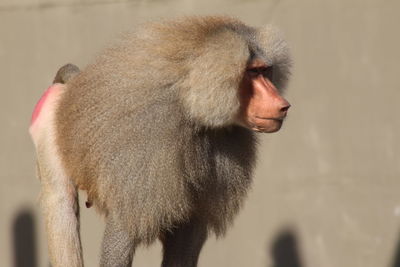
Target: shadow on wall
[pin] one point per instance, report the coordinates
(396, 258)
(285, 250)
(24, 240)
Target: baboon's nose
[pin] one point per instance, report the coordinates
(285, 108)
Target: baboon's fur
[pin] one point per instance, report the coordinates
(148, 130)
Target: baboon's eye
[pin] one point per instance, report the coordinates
(253, 71)
(268, 72)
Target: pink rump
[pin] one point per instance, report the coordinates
(42, 100)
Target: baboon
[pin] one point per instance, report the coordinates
(159, 132)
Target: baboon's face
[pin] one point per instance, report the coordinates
(262, 108)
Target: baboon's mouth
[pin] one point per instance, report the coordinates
(273, 119)
(269, 125)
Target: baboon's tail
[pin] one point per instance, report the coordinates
(65, 73)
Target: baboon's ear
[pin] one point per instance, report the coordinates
(276, 52)
(210, 92)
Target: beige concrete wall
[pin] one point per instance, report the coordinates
(327, 187)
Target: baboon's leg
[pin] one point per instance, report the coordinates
(59, 202)
(118, 246)
(182, 246)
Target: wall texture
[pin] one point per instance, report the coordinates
(327, 187)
